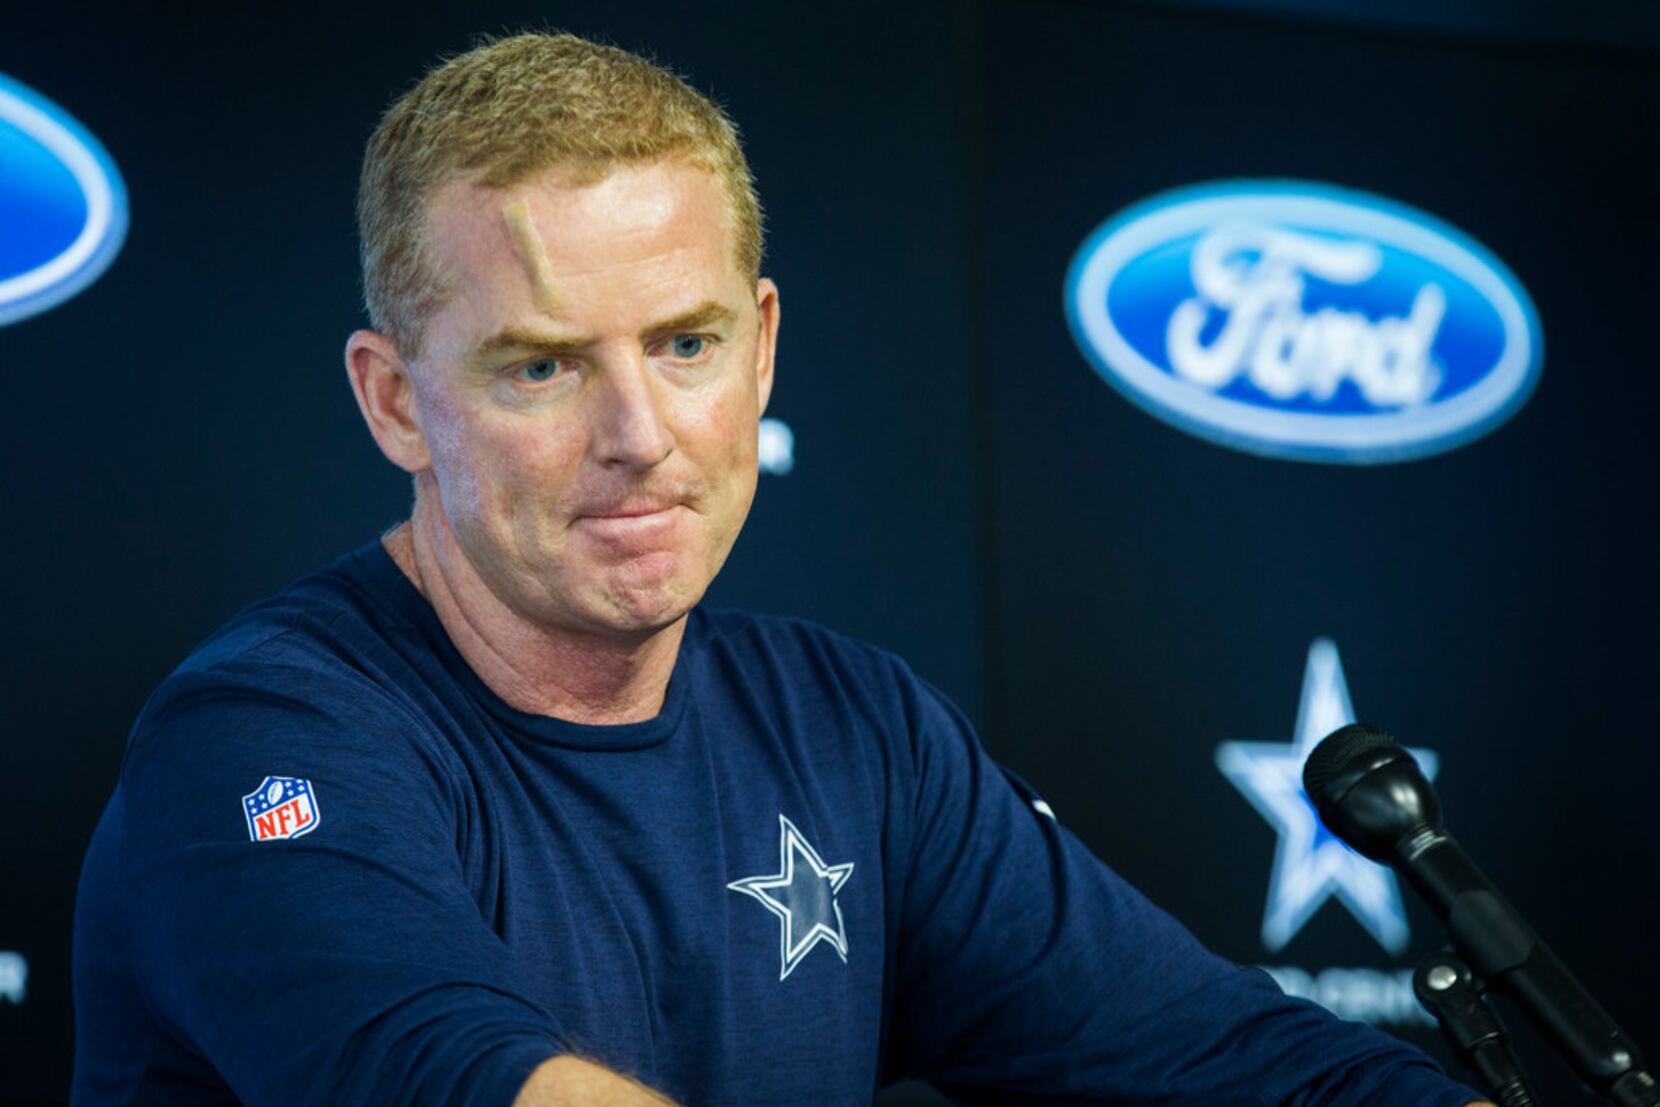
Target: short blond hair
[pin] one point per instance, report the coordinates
(504, 111)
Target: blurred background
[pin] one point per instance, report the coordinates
(1111, 599)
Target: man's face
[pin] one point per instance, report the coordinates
(590, 390)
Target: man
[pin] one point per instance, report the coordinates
(526, 825)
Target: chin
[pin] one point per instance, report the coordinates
(643, 608)
(638, 621)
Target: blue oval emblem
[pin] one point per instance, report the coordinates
(63, 208)
(1304, 321)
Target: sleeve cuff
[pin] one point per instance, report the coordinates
(500, 1075)
(1429, 1086)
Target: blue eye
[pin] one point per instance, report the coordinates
(538, 371)
(688, 345)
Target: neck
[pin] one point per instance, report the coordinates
(537, 669)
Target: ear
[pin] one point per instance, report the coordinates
(386, 397)
(766, 344)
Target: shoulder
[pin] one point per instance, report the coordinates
(316, 652)
(804, 650)
(806, 662)
(319, 621)
(788, 637)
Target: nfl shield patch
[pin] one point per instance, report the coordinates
(281, 807)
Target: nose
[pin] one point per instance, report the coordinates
(628, 427)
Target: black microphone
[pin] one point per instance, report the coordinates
(1370, 793)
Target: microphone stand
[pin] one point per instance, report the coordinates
(1450, 991)
(1372, 795)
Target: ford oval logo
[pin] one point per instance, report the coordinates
(1304, 321)
(63, 209)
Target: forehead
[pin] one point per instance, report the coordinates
(650, 224)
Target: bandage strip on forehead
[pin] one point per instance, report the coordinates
(533, 255)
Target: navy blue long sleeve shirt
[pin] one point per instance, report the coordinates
(337, 868)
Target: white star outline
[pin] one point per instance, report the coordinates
(791, 950)
(1310, 863)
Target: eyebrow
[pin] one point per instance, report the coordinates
(707, 314)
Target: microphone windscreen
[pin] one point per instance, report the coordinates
(1337, 751)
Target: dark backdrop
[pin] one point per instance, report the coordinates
(1107, 597)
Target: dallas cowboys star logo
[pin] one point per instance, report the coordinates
(802, 893)
(1311, 864)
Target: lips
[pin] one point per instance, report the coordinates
(633, 526)
(627, 511)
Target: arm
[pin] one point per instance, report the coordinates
(1027, 967)
(349, 964)
(573, 1082)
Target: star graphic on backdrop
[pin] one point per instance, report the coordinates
(802, 893)
(1310, 863)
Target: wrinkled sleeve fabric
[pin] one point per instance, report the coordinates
(1029, 971)
(348, 965)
